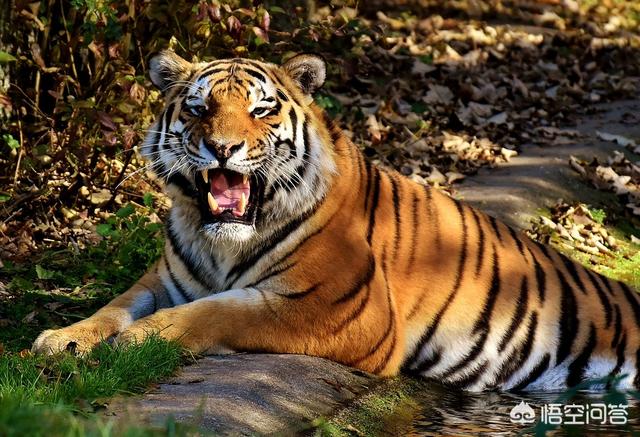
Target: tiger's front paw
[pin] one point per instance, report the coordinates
(76, 339)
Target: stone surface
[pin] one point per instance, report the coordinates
(539, 176)
(249, 394)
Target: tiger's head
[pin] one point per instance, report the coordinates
(240, 141)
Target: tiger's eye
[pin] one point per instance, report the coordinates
(198, 110)
(258, 112)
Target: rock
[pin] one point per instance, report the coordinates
(249, 394)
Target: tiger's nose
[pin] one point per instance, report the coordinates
(222, 151)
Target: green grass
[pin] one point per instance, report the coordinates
(57, 395)
(60, 287)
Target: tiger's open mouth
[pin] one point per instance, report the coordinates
(226, 196)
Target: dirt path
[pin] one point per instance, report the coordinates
(539, 176)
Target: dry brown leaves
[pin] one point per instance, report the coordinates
(576, 228)
(617, 175)
(436, 93)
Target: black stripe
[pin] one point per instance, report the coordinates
(300, 294)
(426, 336)
(535, 373)
(607, 284)
(385, 360)
(518, 242)
(620, 359)
(573, 271)
(544, 249)
(519, 356)
(294, 125)
(396, 210)
(367, 190)
(425, 365)
(415, 226)
(355, 313)
(374, 203)
(541, 277)
(269, 244)
(388, 331)
(496, 229)
(186, 259)
(274, 271)
(392, 321)
(568, 319)
(210, 71)
(617, 326)
(282, 95)
(292, 182)
(166, 119)
(273, 312)
(632, 298)
(470, 378)
(485, 317)
(360, 282)
(578, 366)
(472, 355)
(604, 300)
(481, 242)
(433, 214)
(518, 313)
(255, 74)
(178, 286)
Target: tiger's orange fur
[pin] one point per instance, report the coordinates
(379, 273)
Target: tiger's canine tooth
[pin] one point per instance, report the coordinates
(245, 179)
(212, 203)
(242, 205)
(205, 176)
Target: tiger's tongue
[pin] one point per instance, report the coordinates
(228, 189)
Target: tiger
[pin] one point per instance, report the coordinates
(282, 237)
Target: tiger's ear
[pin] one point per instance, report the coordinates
(308, 71)
(167, 67)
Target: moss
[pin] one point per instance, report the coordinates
(388, 408)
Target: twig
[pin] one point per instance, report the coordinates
(71, 58)
(20, 153)
(114, 190)
(31, 103)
